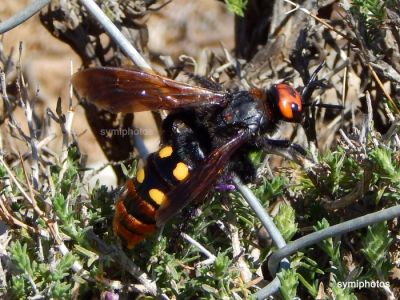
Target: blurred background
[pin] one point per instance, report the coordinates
(181, 27)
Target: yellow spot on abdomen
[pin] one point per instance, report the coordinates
(165, 152)
(140, 175)
(157, 196)
(181, 171)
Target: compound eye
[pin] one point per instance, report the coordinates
(289, 102)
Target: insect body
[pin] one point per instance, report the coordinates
(207, 133)
(136, 209)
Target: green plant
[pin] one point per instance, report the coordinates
(236, 6)
(332, 249)
(289, 282)
(376, 244)
(49, 280)
(386, 174)
(372, 11)
(285, 221)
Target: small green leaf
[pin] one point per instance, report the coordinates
(21, 258)
(375, 249)
(19, 287)
(236, 6)
(289, 282)
(342, 293)
(209, 289)
(221, 264)
(285, 220)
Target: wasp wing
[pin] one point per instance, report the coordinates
(197, 185)
(133, 90)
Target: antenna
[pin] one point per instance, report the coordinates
(312, 83)
(324, 105)
(310, 87)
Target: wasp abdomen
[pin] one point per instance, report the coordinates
(135, 210)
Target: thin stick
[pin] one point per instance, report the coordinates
(298, 7)
(39, 145)
(115, 34)
(237, 252)
(379, 82)
(211, 257)
(31, 202)
(335, 230)
(346, 139)
(32, 144)
(27, 180)
(369, 120)
(23, 15)
(392, 131)
(124, 261)
(344, 87)
(265, 219)
(7, 216)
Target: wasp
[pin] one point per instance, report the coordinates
(207, 133)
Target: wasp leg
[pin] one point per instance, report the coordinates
(187, 145)
(240, 165)
(175, 242)
(284, 145)
(181, 131)
(183, 121)
(313, 84)
(169, 125)
(205, 82)
(224, 187)
(284, 148)
(243, 166)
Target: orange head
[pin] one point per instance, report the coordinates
(287, 102)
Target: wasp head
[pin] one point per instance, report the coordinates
(286, 102)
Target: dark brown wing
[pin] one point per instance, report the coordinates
(132, 90)
(197, 185)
